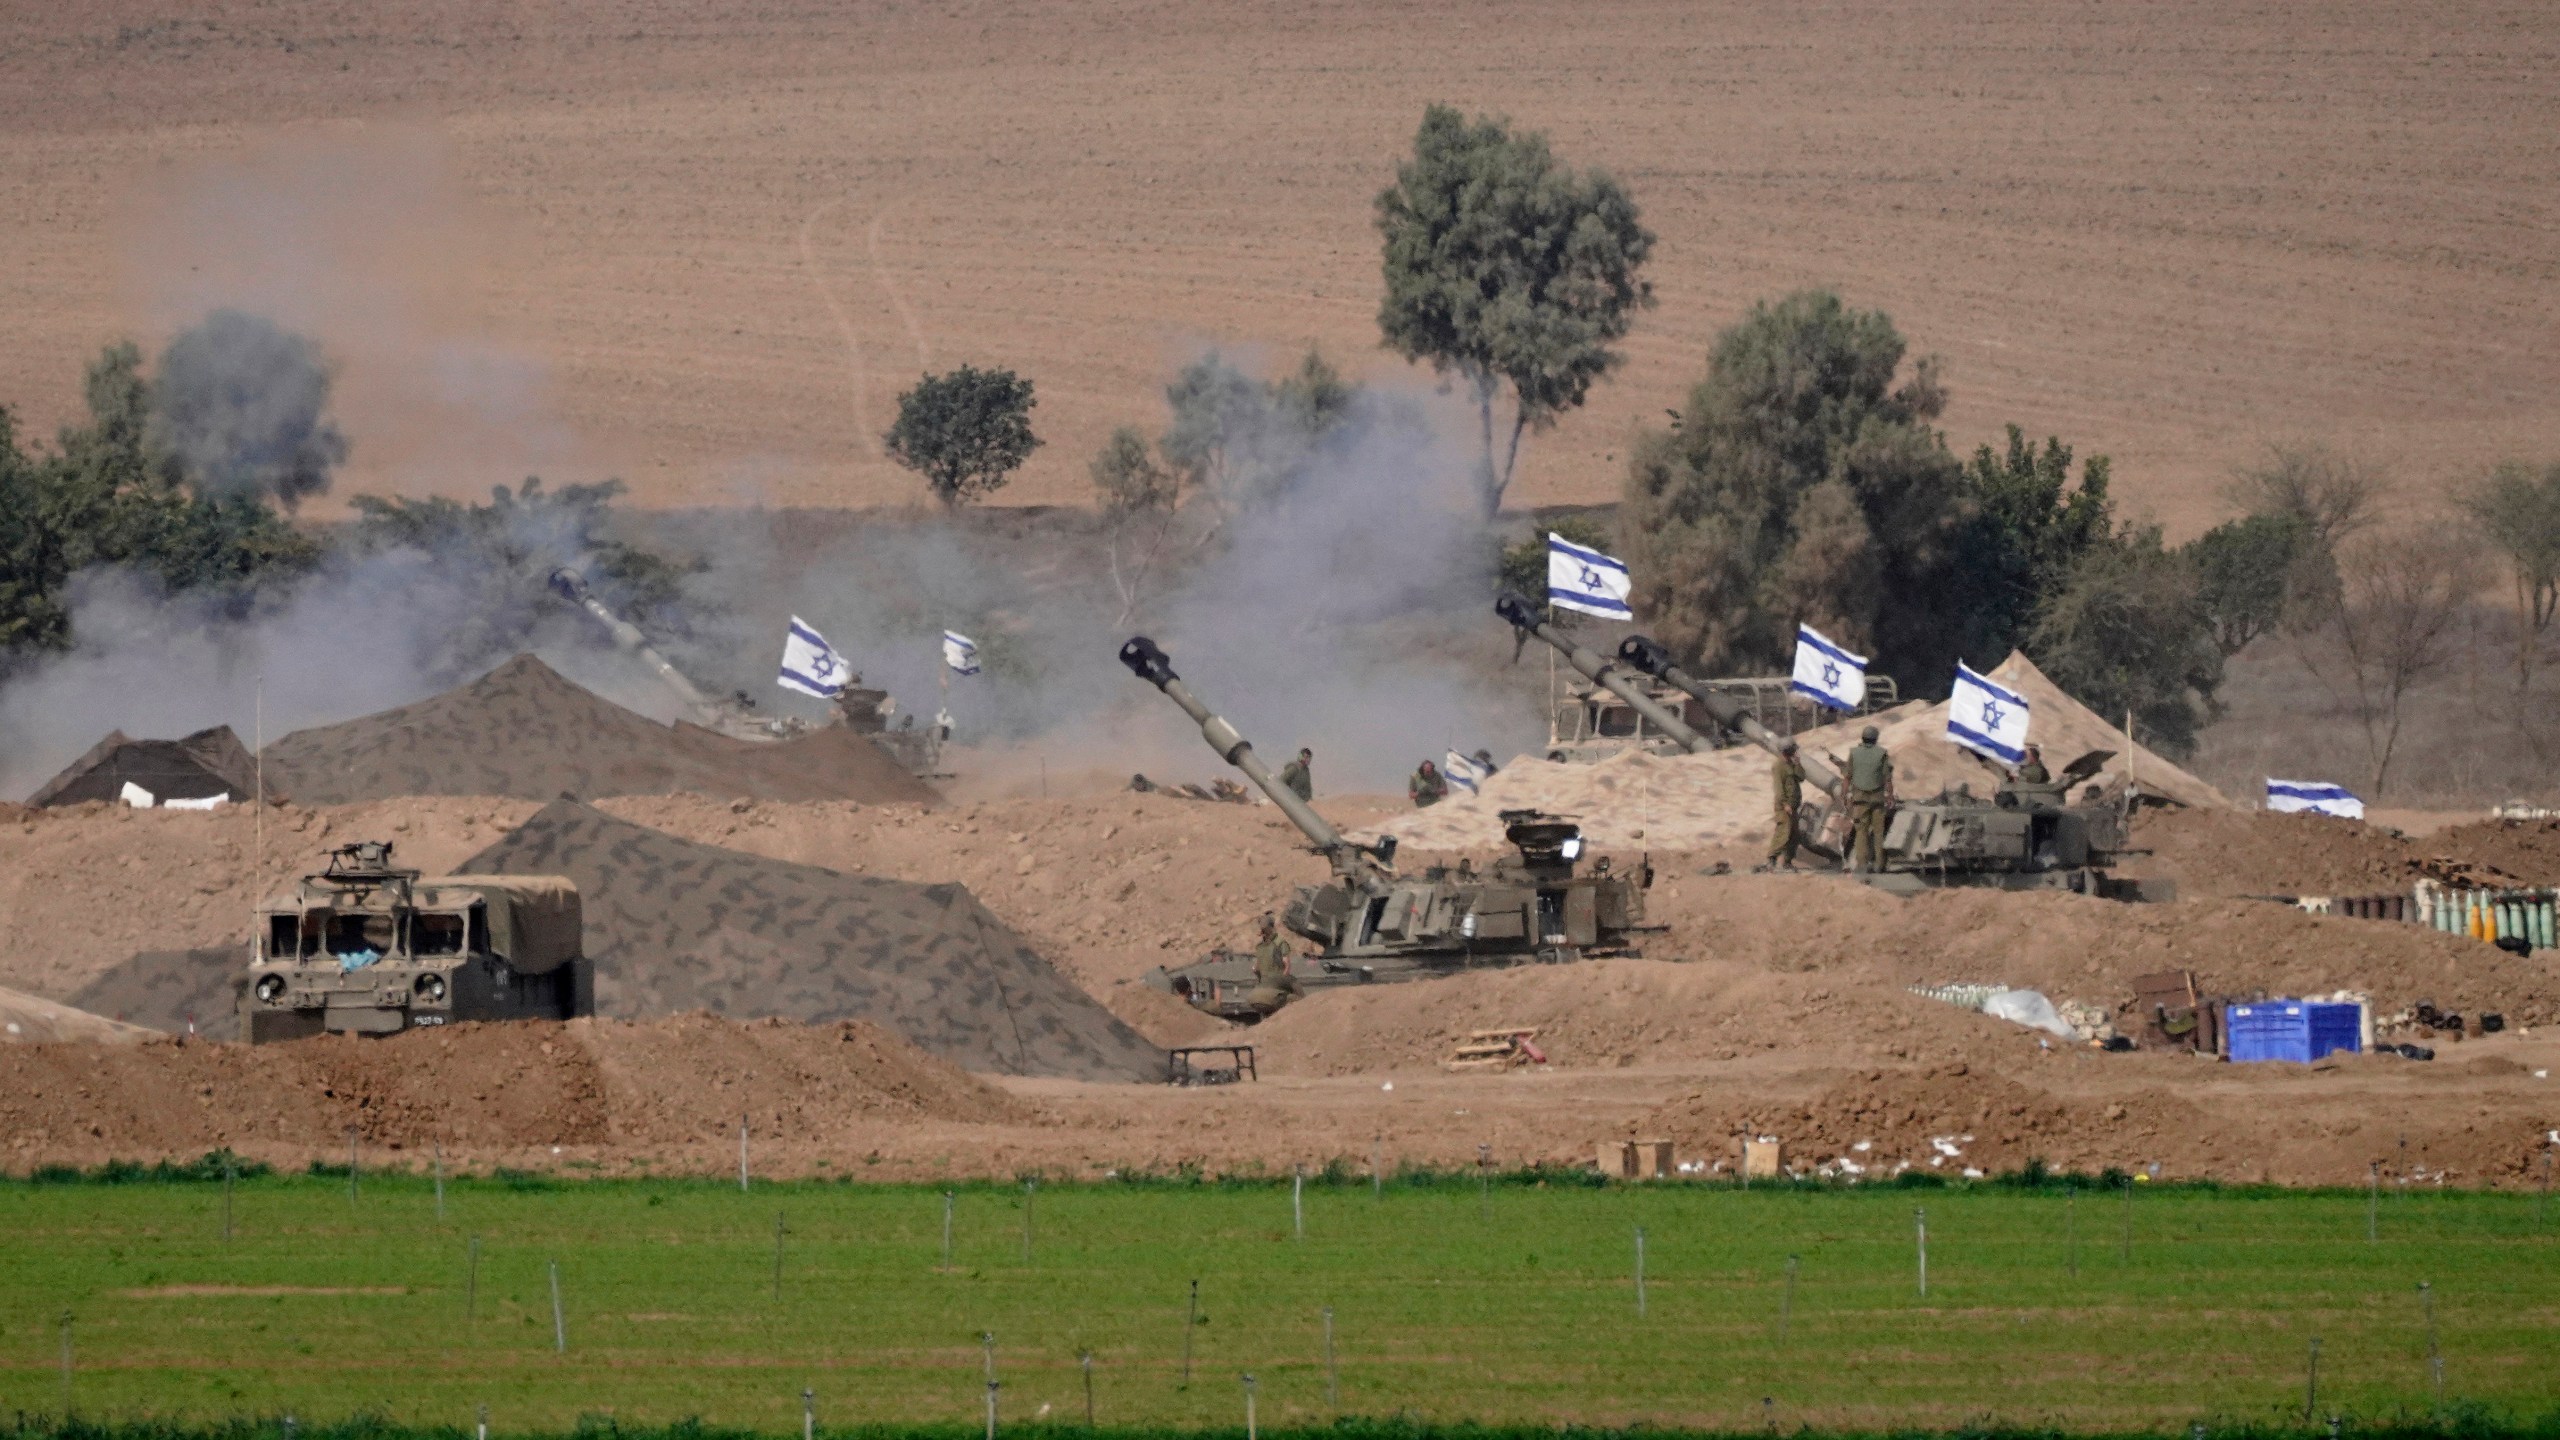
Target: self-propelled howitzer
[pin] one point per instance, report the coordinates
(1526, 626)
(1374, 925)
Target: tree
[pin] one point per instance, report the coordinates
(2029, 530)
(240, 405)
(2400, 592)
(965, 432)
(1510, 270)
(2329, 497)
(2518, 507)
(1138, 498)
(2243, 573)
(1237, 442)
(1800, 481)
(2127, 632)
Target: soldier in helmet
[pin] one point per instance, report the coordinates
(1299, 775)
(1428, 786)
(1273, 985)
(1787, 780)
(2031, 769)
(1870, 779)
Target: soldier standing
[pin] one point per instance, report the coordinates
(1299, 776)
(1870, 790)
(1787, 780)
(1427, 787)
(1273, 985)
(2031, 770)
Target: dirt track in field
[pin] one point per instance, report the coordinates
(704, 247)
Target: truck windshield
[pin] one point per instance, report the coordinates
(436, 934)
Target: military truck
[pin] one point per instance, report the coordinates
(366, 948)
(1374, 925)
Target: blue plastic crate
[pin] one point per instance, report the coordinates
(2298, 1030)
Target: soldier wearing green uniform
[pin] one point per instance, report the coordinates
(1787, 798)
(1870, 791)
(2031, 770)
(1299, 777)
(1427, 787)
(1273, 985)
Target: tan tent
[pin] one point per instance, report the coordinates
(30, 1020)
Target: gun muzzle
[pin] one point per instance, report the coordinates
(1522, 614)
(1646, 654)
(1147, 661)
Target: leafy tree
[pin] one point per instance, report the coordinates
(965, 432)
(1509, 269)
(31, 568)
(2399, 593)
(1138, 498)
(2243, 571)
(1236, 441)
(2030, 529)
(1522, 568)
(1800, 481)
(2330, 498)
(2126, 631)
(523, 535)
(2518, 508)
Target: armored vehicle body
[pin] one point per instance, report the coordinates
(368, 949)
(1373, 925)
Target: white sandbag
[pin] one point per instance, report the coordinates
(2031, 1009)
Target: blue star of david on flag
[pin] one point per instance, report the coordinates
(1833, 677)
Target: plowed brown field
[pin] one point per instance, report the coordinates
(705, 245)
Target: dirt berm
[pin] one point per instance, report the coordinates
(675, 926)
(523, 731)
(481, 1088)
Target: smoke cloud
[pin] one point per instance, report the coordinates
(242, 403)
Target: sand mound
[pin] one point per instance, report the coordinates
(486, 1087)
(199, 767)
(674, 926)
(1704, 802)
(523, 731)
(31, 1020)
(175, 992)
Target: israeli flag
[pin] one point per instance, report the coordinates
(1831, 675)
(1986, 718)
(1462, 772)
(2314, 796)
(1586, 580)
(959, 652)
(810, 665)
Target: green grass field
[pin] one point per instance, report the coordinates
(1516, 1306)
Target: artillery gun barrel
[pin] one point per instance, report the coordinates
(1524, 618)
(1149, 663)
(1648, 656)
(573, 589)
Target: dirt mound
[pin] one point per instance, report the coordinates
(2240, 852)
(523, 731)
(2526, 849)
(1704, 802)
(176, 992)
(480, 1087)
(674, 926)
(203, 765)
(31, 1020)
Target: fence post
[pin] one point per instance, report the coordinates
(742, 1154)
(1298, 1201)
(1190, 1322)
(1639, 1272)
(559, 1323)
(1332, 1378)
(1029, 1188)
(2311, 1384)
(484, 1420)
(1251, 1432)
(1787, 1301)
(808, 1414)
(1085, 1358)
(2435, 1351)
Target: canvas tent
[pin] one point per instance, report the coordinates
(202, 766)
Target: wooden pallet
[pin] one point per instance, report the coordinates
(1510, 1048)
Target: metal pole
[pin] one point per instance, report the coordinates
(471, 1286)
(991, 1410)
(1251, 1432)
(559, 1324)
(1378, 1174)
(1920, 1224)
(946, 1229)
(1190, 1322)
(808, 1414)
(1639, 1272)
(2311, 1384)
(1298, 1201)
(1787, 1301)
(742, 1154)
(777, 1257)
(439, 1182)
(2435, 1351)
(1029, 1188)
(1086, 1359)
(987, 1338)
(1332, 1378)
(484, 1422)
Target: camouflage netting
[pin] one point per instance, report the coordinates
(168, 989)
(203, 765)
(522, 730)
(674, 926)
